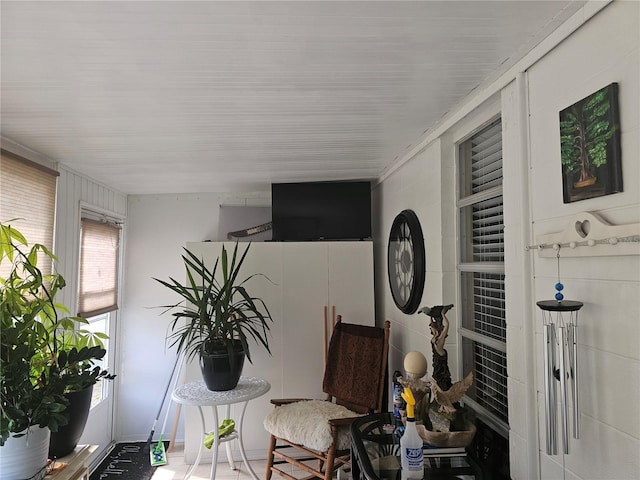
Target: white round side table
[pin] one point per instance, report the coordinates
(197, 394)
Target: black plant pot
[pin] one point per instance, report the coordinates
(65, 440)
(219, 372)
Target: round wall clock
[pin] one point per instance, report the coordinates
(406, 261)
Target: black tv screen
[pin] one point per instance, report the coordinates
(321, 211)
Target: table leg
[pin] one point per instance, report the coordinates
(197, 462)
(242, 452)
(232, 464)
(216, 443)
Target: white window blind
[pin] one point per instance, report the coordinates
(486, 158)
(482, 271)
(28, 193)
(99, 246)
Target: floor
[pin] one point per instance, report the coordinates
(176, 469)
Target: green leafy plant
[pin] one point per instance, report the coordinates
(216, 310)
(42, 356)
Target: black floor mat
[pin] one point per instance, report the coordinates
(127, 461)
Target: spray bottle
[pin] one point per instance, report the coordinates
(411, 455)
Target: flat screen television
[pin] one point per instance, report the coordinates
(321, 211)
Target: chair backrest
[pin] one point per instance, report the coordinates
(356, 365)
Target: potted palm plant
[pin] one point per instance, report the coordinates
(36, 370)
(216, 318)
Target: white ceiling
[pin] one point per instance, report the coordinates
(180, 96)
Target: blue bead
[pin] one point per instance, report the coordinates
(559, 286)
(559, 296)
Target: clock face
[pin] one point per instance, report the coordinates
(406, 261)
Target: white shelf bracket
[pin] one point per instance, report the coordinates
(589, 235)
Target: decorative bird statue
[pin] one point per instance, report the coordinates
(446, 399)
(436, 311)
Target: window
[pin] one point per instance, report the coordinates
(481, 267)
(98, 325)
(98, 285)
(28, 193)
(99, 246)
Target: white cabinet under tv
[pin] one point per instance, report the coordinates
(305, 278)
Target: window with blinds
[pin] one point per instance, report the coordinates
(98, 286)
(28, 194)
(481, 267)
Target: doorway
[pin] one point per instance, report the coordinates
(99, 428)
(98, 300)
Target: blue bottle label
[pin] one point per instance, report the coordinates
(414, 459)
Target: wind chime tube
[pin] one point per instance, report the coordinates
(548, 389)
(545, 341)
(554, 397)
(563, 390)
(572, 332)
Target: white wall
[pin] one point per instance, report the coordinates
(158, 227)
(609, 349)
(420, 186)
(603, 50)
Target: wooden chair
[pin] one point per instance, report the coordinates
(354, 381)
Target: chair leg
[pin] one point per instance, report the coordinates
(328, 468)
(272, 447)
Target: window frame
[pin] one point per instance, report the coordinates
(465, 265)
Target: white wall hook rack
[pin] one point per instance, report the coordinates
(589, 235)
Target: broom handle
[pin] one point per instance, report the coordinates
(326, 335)
(164, 397)
(176, 417)
(174, 381)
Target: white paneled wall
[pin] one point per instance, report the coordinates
(74, 193)
(420, 185)
(74, 190)
(609, 331)
(520, 305)
(603, 50)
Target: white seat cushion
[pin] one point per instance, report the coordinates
(307, 423)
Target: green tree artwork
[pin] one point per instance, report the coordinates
(590, 146)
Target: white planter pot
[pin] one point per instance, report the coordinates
(26, 456)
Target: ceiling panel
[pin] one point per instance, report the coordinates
(180, 96)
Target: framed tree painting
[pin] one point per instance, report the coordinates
(590, 146)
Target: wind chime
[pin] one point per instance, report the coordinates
(560, 338)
